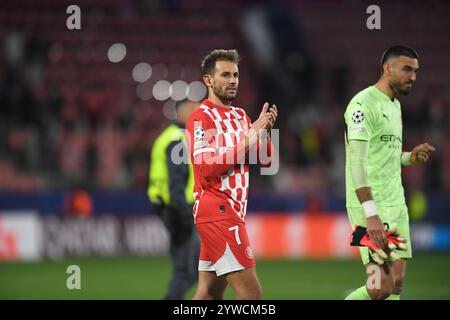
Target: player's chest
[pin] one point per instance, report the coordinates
(230, 131)
(390, 120)
(390, 129)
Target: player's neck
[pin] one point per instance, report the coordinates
(219, 102)
(384, 87)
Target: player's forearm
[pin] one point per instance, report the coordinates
(364, 194)
(215, 166)
(358, 155)
(265, 152)
(365, 198)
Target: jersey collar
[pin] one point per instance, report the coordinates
(381, 94)
(210, 104)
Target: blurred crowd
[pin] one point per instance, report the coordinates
(73, 119)
(61, 133)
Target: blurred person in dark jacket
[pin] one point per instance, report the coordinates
(170, 190)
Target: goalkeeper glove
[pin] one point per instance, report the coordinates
(395, 242)
(360, 238)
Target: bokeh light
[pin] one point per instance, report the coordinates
(196, 91)
(117, 52)
(161, 90)
(178, 90)
(142, 72)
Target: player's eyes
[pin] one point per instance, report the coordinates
(227, 75)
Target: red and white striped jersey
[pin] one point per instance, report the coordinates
(221, 188)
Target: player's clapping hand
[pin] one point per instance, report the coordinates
(260, 124)
(266, 118)
(421, 153)
(263, 120)
(273, 114)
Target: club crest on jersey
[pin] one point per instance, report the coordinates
(199, 133)
(358, 117)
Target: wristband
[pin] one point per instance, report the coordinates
(406, 159)
(369, 208)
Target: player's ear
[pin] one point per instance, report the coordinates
(388, 69)
(207, 80)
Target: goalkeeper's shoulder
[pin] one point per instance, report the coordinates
(361, 99)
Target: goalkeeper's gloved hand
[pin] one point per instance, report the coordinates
(360, 238)
(395, 242)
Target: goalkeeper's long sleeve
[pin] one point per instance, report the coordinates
(358, 154)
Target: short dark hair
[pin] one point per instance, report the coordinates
(209, 62)
(397, 51)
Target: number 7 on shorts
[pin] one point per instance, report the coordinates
(236, 233)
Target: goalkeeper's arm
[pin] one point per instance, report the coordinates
(358, 155)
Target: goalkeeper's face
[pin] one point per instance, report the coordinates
(403, 74)
(225, 80)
